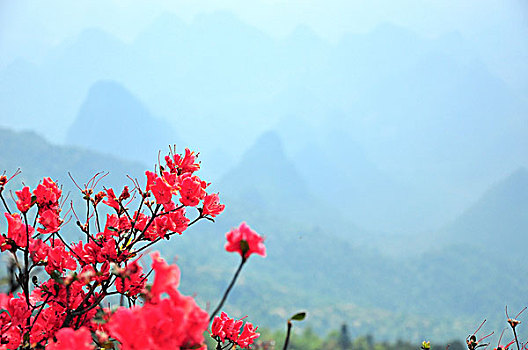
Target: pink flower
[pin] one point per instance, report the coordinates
(38, 250)
(212, 206)
(24, 201)
(247, 336)
(245, 241)
(131, 281)
(178, 222)
(50, 220)
(170, 323)
(17, 230)
(48, 194)
(5, 244)
(59, 258)
(166, 279)
(162, 191)
(186, 164)
(112, 200)
(225, 328)
(151, 179)
(192, 189)
(68, 338)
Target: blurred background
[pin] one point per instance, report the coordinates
(380, 146)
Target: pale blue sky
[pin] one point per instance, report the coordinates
(499, 28)
(37, 23)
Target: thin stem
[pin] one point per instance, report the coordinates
(516, 340)
(136, 216)
(26, 274)
(213, 314)
(287, 340)
(70, 248)
(97, 218)
(87, 220)
(40, 310)
(3, 201)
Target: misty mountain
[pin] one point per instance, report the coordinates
(498, 221)
(308, 266)
(266, 180)
(338, 171)
(442, 121)
(113, 121)
(45, 97)
(37, 158)
(429, 117)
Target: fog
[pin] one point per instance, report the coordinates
(395, 126)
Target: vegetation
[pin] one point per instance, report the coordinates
(308, 339)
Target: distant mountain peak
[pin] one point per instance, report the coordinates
(124, 125)
(267, 178)
(499, 219)
(118, 102)
(268, 142)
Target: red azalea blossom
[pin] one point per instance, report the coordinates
(171, 179)
(17, 230)
(112, 226)
(38, 250)
(124, 223)
(225, 328)
(151, 179)
(179, 222)
(24, 201)
(172, 323)
(162, 191)
(141, 221)
(89, 253)
(108, 250)
(192, 189)
(174, 220)
(248, 335)
(111, 200)
(212, 206)
(61, 308)
(124, 194)
(245, 241)
(68, 338)
(50, 220)
(131, 281)
(4, 244)
(59, 258)
(47, 194)
(186, 164)
(166, 279)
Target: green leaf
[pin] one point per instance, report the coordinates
(298, 316)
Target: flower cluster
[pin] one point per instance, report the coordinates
(227, 330)
(64, 309)
(175, 322)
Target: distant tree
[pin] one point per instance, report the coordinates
(343, 341)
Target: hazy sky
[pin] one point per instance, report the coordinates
(490, 41)
(27, 28)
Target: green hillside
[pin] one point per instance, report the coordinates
(440, 295)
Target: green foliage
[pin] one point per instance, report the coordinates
(308, 266)
(307, 339)
(298, 316)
